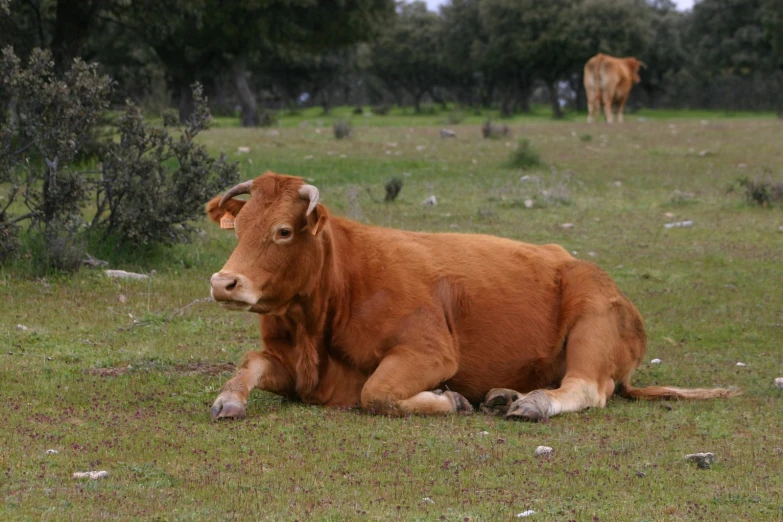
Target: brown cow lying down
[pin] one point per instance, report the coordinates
(357, 315)
(609, 80)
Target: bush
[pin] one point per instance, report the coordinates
(455, 117)
(342, 129)
(56, 122)
(524, 156)
(149, 184)
(764, 193)
(381, 110)
(152, 183)
(490, 130)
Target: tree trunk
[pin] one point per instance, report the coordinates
(186, 106)
(554, 100)
(325, 101)
(247, 99)
(71, 29)
(417, 102)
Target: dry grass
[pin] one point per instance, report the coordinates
(134, 400)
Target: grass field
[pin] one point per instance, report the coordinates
(119, 375)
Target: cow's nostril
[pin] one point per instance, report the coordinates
(232, 285)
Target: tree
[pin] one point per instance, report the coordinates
(406, 55)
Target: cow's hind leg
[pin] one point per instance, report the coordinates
(257, 370)
(605, 343)
(403, 381)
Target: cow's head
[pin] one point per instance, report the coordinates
(280, 250)
(634, 65)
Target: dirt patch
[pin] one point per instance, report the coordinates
(180, 369)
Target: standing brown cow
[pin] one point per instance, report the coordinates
(609, 80)
(356, 315)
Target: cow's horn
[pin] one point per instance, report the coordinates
(311, 193)
(242, 188)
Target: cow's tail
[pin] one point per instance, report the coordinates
(670, 392)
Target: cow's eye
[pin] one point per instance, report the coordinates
(284, 233)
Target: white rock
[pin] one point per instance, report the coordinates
(618, 184)
(273, 132)
(669, 215)
(779, 383)
(446, 133)
(52, 452)
(431, 201)
(92, 475)
(780, 228)
(567, 225)
(483, 433)
(543, 450)
(420, 147)
(427, 500)
(705, 153)
(309, 156)
(124, 275)
(529, 203)
(592, 254)
(703, 460)
(742, 166)
(705, 122)
(243, 150)
(679, 224)
(526, 513)
(21, 327)
(525, 178)
(656, 361)
(741, 364)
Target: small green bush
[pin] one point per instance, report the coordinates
(524, 156)
(342, 129)
(763, 192)
(455, 117)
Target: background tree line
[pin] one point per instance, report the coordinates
(69, 183)
(259, 56)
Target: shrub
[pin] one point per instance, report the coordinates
(381, 110)
(393, 188)
(524, 156)
(57, 121)
(765, 193)
(455, 117)
(490, 130)
(152, 183)
(342, 129)
(149, 184)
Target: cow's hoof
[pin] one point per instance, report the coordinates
(532, 407)
(498, 400)
(227, 407)
(461, 404)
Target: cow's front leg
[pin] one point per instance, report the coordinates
(257, 370)
(402, 382)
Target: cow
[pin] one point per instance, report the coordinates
(398, 322)
(609, 80)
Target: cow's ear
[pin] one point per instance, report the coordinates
(215, 211)
(317, 219)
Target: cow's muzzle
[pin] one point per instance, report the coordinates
(233, 291)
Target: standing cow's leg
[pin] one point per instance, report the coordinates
(257, 370)
(620, 108)
(401, 384)
(607, 101)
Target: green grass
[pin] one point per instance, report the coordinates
(126, 386)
